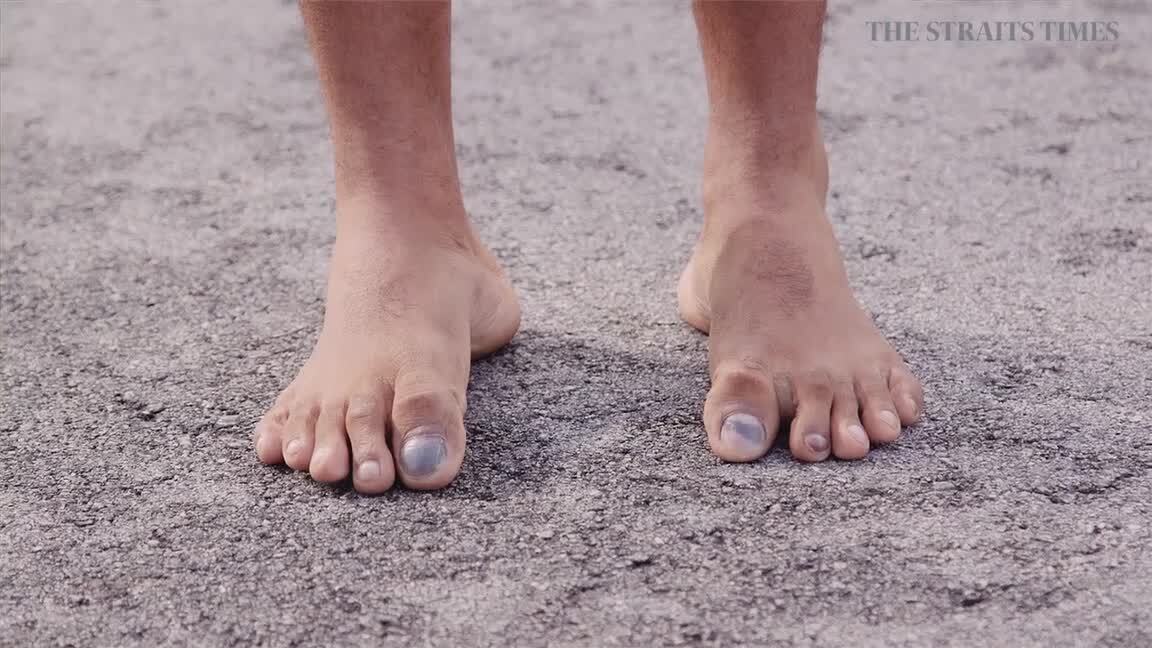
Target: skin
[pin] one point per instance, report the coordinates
(787, 339)
(413, 296)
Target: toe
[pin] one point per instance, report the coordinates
(366, 422)
(740, 413)
(329, 462)
(269, 435)
(849, 440)
(876, 408)
(810, 438)
(907, 394)
(299, 435)
(428, 436)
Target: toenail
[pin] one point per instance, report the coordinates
(857, 432)
(816, 442)
(891, 419)
(912, 407)
(742, 431)
(423, 452)
(293, 447)
(369, 470)
(265, 444)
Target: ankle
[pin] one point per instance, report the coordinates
(758, 159)
(421, 220)
(388, 173)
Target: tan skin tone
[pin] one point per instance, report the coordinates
(413, 295)
(787, 337)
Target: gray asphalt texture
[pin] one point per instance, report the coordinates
(166, 222)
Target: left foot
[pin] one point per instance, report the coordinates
(787, 337)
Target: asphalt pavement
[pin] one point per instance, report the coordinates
(166, 218)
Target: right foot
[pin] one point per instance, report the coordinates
(383, 394)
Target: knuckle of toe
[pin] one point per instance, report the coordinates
(364, 410)
(820, 391)
(277, 415)
(307, 409)
(426, 405)
(743, 380)
(332, 408)
(873, 393)
(365, 445)
(844, 392)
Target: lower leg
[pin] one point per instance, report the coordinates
(412, 294)
(385, 72)
(766, 281)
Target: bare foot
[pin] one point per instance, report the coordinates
(787, 337)
(383, 394)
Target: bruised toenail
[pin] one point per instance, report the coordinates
(857, 432)
(891, 419)
(293, 447)
(424, 451)
(742, 431)
(369, 470)
(816, 442)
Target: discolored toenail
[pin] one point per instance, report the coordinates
(424, 451)
(816, 442)
(891, 419)
(742, 431)
(369, 470)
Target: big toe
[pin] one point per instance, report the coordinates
(740, 414)
(428, 438)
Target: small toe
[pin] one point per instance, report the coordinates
(740, 414)
(299, 435)
(849, 439)
(329, 462)
(268, 436)
(907, 394)
(366, 422)
(877, 411)
(810, 438)
(428, 437)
